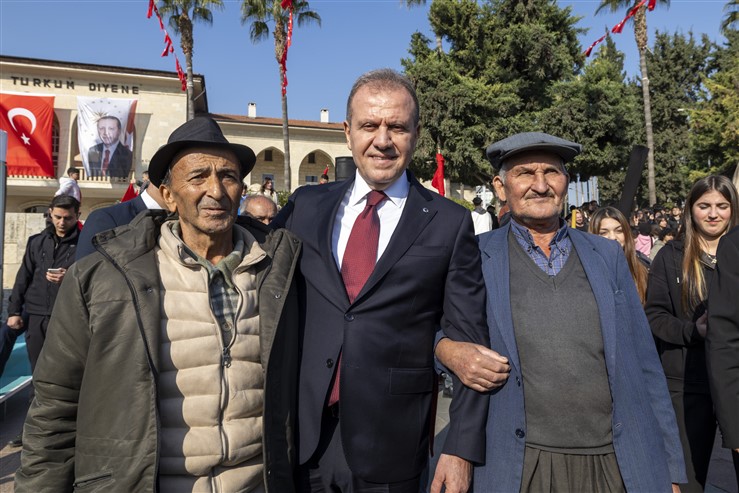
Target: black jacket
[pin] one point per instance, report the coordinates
(722, 343)
(680, 346)
(44, 251)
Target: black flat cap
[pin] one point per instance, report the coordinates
(498, 152)
(201, 131)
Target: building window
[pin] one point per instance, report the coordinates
(312, 158)
(268, 155)
(311, 179)
(36, 209)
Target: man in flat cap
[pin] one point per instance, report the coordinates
(586, 406)
(171, 357)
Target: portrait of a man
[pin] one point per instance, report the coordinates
(110, 157)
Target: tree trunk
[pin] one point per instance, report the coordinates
(285, 136)
(186, 42)
(640, 33)
(648, 125)
(190, 88)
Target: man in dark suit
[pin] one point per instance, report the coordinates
(110, 157)
(367, 382)
(116, 215)
(722, 341)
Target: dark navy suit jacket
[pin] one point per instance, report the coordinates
(428, 277)
(645, 435)
(105, 219)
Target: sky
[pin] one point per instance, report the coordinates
(355, 36)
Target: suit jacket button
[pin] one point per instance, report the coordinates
(518, 381)
(329, 363)
(349, 317)
(520, 433)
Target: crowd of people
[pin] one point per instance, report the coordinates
(204, 340)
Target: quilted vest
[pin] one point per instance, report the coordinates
(210, 406)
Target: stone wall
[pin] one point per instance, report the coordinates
(18, 227)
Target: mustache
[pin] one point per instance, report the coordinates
(535, 195)
(208, 203)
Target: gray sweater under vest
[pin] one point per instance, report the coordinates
(556, 322)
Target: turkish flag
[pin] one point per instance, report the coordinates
(438, 180)
(130, 193)
(28, 120)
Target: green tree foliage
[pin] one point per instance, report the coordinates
(182, 14)
(601, 112)
(715, 120)
(676, 65)
(493, 81)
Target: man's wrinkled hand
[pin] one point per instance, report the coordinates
(478, 367)
(15, 322)
(453, 472)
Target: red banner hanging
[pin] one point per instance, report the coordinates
(28, 120)
(438, 180)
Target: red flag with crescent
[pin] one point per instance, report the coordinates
(130, 193)
(28, 120)
(438, 180)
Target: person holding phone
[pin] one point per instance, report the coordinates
(48, 256)
(679, 278)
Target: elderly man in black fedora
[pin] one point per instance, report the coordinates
(586, 406)
(171, 361)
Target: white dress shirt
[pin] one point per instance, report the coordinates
(149, 202)
(389, 212)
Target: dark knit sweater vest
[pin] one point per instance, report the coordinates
(556, 322)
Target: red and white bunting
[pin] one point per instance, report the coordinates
(168, 45)
(287, 4)
(620, 26)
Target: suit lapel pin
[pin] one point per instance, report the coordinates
(425, 209)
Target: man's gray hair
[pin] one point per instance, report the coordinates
(383, 78)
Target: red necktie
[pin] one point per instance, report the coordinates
(359, 260)
(106, 160)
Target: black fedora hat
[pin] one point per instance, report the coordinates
(201, 131)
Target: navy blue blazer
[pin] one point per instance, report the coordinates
(107, 218)
(428, 277)
(645, 435)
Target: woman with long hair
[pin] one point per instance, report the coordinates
(608, 222)
(678, 287)
(268, 190)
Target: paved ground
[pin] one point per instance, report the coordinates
(12, 412)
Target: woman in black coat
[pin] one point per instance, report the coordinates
(678, 287)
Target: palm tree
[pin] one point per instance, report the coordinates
(182, 14)
(260, 13)
(732, 15)
(640, 34)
